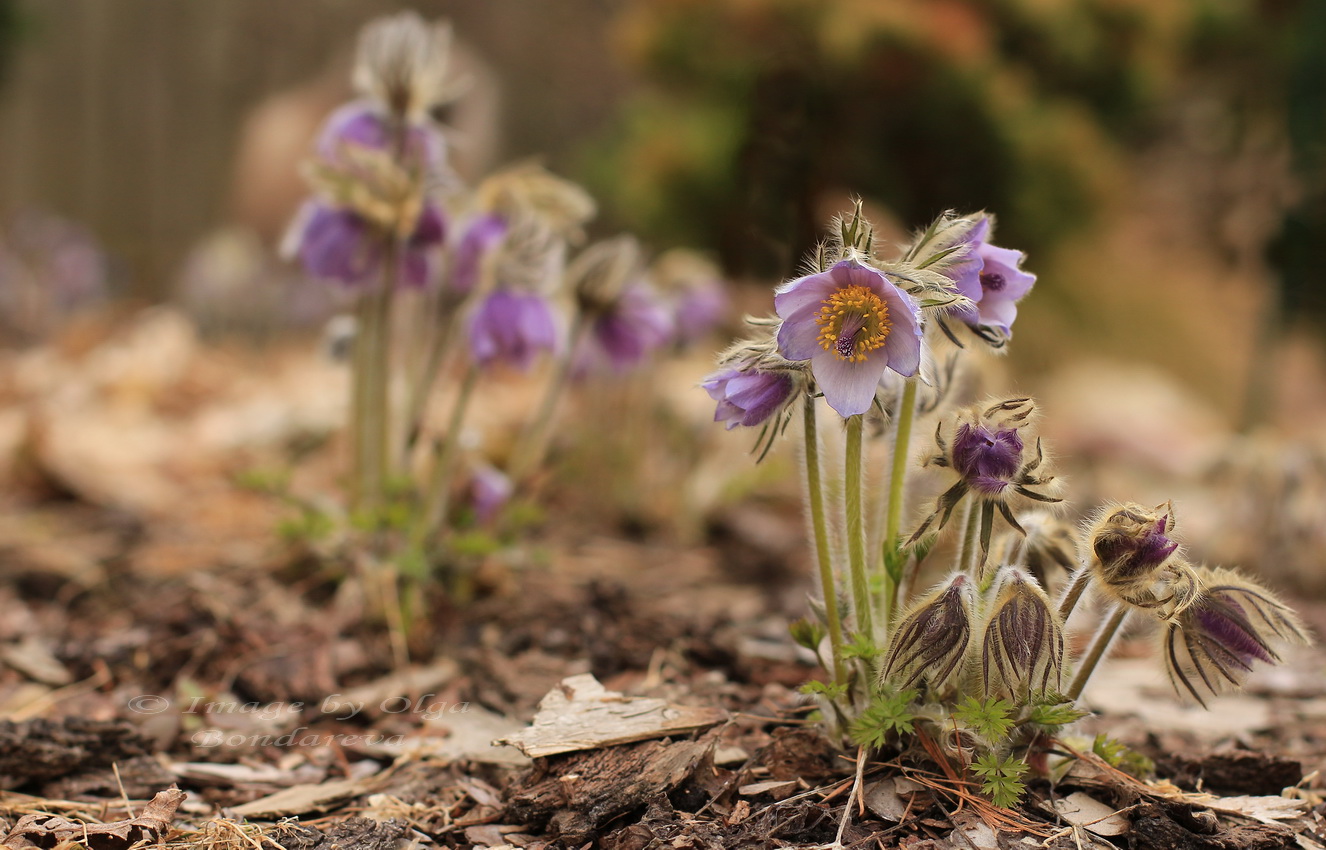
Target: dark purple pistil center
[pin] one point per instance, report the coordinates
(992, 281)
(846, 342)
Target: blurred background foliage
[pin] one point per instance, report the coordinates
(1170, 150)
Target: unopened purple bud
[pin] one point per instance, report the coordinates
(1131, 542)
(988, 460)
(482, 235)
(513, 328)
(748, 396)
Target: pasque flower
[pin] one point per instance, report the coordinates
(1022, 649)
(992, 278)
(852, 323)
(512, 327)
(1212, 644)
(931, 640)
(748, 395)
(635, 325)
(1133, 557)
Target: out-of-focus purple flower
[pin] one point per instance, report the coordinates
(512, 328)
(699, 308)
(338, 244)
(748, 395)
(481, 236)
(489, 491)
(987, 459)
(362, 123)
(627, 331)
(992, 278)
(852, 324)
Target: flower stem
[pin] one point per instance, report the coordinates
(438, 348)
(856, 539)
(1099, 646)
(434, 512)
(1073, 593)
(533, 443)
(967, 546)
(902, 440)
(815, 489)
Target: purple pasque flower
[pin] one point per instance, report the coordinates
(699, 308)
(362, 123)
(513, 328)
(482, 235)
(628, 330)
(335, 243)
(852, 324)
(748, 395)
(991, 278)
(988, 459)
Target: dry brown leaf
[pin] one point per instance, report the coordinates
(37, 831)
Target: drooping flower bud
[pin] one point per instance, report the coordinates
(1211, 645)
(931, 639)
(754, 383)
(1023, 646)
(527, 189)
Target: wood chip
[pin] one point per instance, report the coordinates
(580, 714)
(1081, 809)
(36, 831)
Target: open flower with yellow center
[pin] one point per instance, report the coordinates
(852, 324)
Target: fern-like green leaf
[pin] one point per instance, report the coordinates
(887, 716)
(992, 719)
(1001, 778)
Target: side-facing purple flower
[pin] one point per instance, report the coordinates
(748, 395)
(992, 278)
(335, 243)
(512, 328)
(623, 334)
(852, 324)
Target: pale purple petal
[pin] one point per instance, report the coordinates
(361, 123)
(903, 344)
(512, 328)
(804, 293)
(848, 387)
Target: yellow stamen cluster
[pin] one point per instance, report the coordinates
(860, 310)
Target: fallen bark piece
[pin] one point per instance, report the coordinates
(302, 799)
(41, 750)
(580, 714)
(38, 831)
(1272, 810)
(355, 833)
(576, 794)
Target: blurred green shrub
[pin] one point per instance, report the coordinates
(756, 113)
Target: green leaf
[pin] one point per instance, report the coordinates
(887, 716)
(991, 718)
(862, 647)
(1117, 755)
(824, 689)
(1056, 712)
(1001, 778)
(895, 558)
(807, 633)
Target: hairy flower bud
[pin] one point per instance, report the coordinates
(1133, 558)
(931, 639)
(1023, 646)
(1211, 645)
(599, 275)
